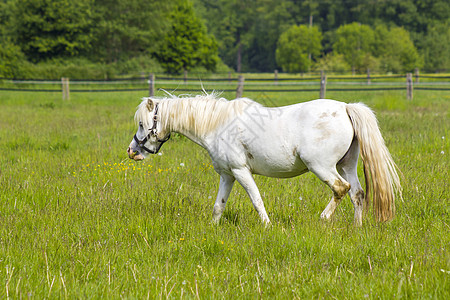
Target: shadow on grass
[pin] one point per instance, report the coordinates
(231, 216)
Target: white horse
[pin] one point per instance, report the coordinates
(244, 138)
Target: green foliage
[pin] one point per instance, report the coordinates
(187, 44)
(230, 21)
(246, 32)
(436, 47)
(297, 46)
(128, 28)
(355, 42)
(382, 48)
(82, 68)
(270, 21)
(333, 62)
(47, 29)
(11, 57)
(256, 28)
(395, 50)
(136, 65)
(236, 28)
(100, 31)
(74, 68)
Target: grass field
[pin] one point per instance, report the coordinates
(78, 219)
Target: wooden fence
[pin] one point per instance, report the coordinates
(278, 84)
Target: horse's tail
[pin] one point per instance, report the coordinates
(380, 170)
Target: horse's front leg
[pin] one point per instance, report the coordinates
(225, 186)
(245, 178)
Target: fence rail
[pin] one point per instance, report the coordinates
(224, 79)
(320, 84)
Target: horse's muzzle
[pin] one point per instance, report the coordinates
(134, 154)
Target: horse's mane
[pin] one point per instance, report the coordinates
(200, 114)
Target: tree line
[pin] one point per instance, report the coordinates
(123, 34)
(242, 35)
(250, 33)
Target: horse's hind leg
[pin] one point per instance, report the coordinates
(356, 194)
(225, 186)
(326, 171)
(338, 185)
(348, 169)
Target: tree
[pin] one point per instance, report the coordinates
(128, 28)
(436, 47)
(355, 42)
(333, 63)
(187, 43)
(46, 29)
(231, 22)
(247, 31)
(10, 58)
(271, 20)
(395, 50)
(296, 45)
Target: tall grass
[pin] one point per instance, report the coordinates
(80, 220)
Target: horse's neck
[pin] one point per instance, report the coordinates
(186, 126)
(200, 118)
(191, 134)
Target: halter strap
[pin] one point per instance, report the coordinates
(142, 142)
(155, 117)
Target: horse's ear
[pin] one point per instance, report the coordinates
(150, 104)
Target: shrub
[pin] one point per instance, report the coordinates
(297, 46)
(333, 62)
(10, 58)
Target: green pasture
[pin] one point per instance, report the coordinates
(78, 219)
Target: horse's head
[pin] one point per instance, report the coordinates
(150, 135)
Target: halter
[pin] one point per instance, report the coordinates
(153, 132)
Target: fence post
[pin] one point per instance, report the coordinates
(368, 76)
(416, 73)
(65, 88)
(409, 86)
(276, 77)
(240, 87)
(185, 76)
(151, 85)
(323, 84)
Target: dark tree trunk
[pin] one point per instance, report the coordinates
(239, 56)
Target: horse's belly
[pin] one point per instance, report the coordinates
(279, 169)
